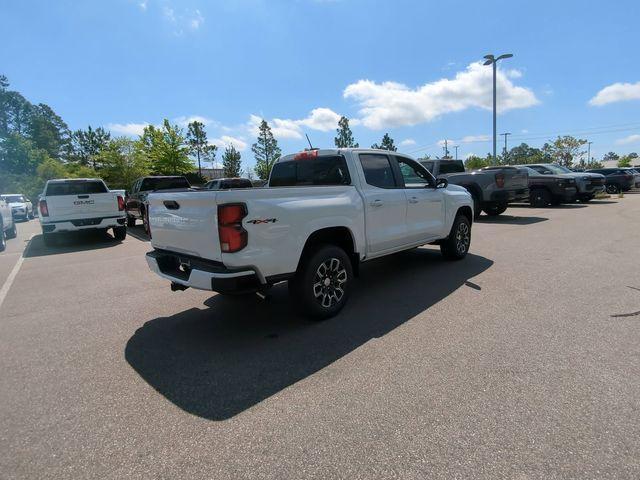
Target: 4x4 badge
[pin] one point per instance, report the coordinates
(263, 220)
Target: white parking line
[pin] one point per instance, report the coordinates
(12, 276)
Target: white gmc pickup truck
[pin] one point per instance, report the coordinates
(72, 204)
(321, 215)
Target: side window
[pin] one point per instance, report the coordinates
(377, 170)
(413, 175)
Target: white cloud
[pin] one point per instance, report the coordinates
(226, 140)
(184, 121)
(617, 92)
(407, 142)
(143, 5)
(129, 129)
(196, 20)
(392, 104)
(191, 19)
(322, 119)
(475, 138)
(627, 140)
(169, 13)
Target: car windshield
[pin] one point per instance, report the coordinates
(530, 171)
(559, 169)
(14, 198)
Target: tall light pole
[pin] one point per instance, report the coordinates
(589, 154)
(456, 147)
(492, 60)
(505, 135)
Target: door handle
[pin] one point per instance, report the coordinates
(413, 200)
(376, 203)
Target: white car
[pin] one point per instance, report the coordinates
(7, 224)
(322, 214)
(21, 206)
(69, 205)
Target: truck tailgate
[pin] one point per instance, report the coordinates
(90, 205)
(515, 179)
(185, 222)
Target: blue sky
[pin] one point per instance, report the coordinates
(407, 68)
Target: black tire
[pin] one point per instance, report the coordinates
(612, 188)
(50, 240)
(324, 272)
(540, 198)
(120, 233)
(145, 221)
(3, 237)
(456, 245)
(131, 222)
(12, 232)
(494, 209)
(586, 198)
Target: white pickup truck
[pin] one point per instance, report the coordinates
(73, 204)
(321, 215)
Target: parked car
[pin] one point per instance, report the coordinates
(69, 205)
(492, 190)
(323, 213)
(545, 190)
(7, 224)
(21, 206)
(588, 184)
(226, 183)
(617, 179)
(636, 175)
(136, 202)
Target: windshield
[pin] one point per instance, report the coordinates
(530, 171)
(559, 169)
(14, 198)
(77, 187)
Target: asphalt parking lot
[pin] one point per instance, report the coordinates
(520, 362)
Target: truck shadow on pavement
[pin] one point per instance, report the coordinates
(511, 220)
(219, 361)
(70, 242)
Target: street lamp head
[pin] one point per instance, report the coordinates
(490, 59)
(488, 62)
(506, 55)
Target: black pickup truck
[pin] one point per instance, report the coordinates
(136, 199)
(545, 190)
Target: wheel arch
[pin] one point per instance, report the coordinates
(339, 236)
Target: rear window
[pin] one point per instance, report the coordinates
(428, 166)
(163, 183)
(236, 183)
(323, 170)
(14, 198)
(451, 167)
(75, 188)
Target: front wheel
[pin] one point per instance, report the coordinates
(539, 198)
(456, 245)
(145, 222)
(322, 284)
(494, 209)
(613, 188)
(3, 238)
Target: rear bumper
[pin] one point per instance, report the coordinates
(508, 196)
(78, 224)
(202, 274)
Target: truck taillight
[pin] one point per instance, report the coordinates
(44, 210)
(307, 154)
(500, 180)
(233, 237)
(120, 203)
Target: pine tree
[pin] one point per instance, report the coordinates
(387, 144)
(198, 144)
(231, 163)
(265, 151)
(344, 139)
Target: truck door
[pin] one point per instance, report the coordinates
(385, 204)
(425, 203)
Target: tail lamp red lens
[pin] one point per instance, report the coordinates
(500, 180)
(307, 154)
(233, 237)
(120, 203)
(44, 209)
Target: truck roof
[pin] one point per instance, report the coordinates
(337, 151)
(60, 180)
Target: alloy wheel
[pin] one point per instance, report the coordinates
(463, 238)
(329, 282)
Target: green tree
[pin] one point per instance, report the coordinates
(164, 150)
(563, 150)
(266, 151)
(386, 144)
(199, 145)
(474, 162)
(231, 163)
(122, 163)
(50, 169)
(18, 155)
(48, 131)
(624, 161)
(524, 154)
(611, 156)
(344, 137)
(86, 145)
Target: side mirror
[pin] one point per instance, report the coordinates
(442, 183)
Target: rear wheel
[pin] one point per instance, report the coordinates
(494, 209)
(12, 232)
(120, 233)
(539, 198)
(322, 284)
(3, 238)
(456, 245)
